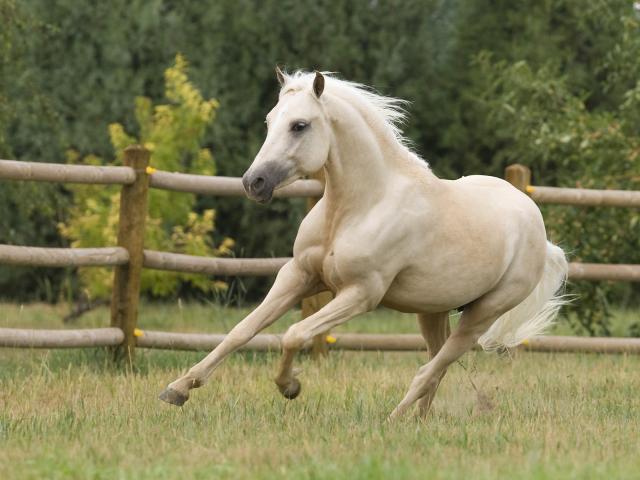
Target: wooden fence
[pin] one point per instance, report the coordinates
(129, 258)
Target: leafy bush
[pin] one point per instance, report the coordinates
(172, 132)
(543, 121)
(28, 211)
(85, 62)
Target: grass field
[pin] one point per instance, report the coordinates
(70, 414)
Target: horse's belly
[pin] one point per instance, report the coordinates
(409, 301)
(418, 291)
(406, 304)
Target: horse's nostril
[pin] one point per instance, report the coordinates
(257, 184)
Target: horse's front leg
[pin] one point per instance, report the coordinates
(291, 285)
(347, 304)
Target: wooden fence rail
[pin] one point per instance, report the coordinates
(583, 197)
(203, 341)
(227, 186)
(61, 173)
(213, 266)
(129, 257)
(547, 343)
(63, 257)
(384, 342)
(176, 262)
(604, 271)
(111, 337)
(84, 338)
(520, 177)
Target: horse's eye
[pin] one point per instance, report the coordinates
(298, 126)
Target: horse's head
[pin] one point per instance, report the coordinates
(298, 139)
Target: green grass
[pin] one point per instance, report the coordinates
(217, 318)
(70, 414)
(191, 318)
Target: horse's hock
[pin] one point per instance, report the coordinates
(129, 258)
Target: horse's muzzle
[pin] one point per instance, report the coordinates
(260, 182)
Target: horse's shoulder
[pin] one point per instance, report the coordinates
(311, 230)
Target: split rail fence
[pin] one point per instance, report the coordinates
(129, 258)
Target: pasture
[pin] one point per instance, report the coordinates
(71, 414)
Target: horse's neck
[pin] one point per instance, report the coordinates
(363, 164)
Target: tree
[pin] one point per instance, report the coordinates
(544, 120)
(87, 62)
(172, 132)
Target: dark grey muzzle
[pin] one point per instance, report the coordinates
(260, 182)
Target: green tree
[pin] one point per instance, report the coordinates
(86, 62)
(28, 212)
(172, 132)
(542, 119)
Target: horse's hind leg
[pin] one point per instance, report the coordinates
(475, 320)
(435, 330)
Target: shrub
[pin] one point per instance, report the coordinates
(541, 120)
(172, 132)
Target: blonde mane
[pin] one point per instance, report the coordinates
(389, 111)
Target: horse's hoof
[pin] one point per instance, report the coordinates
(292, 390)
(173, 397)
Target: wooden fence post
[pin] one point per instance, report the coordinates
(131, 228)
(519, 176)
(311, 305)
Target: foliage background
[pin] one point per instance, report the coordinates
(552, 84)
(172, 133)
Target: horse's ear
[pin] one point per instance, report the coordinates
(280, 76)
(318, 84)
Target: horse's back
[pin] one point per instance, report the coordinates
(496, 208)
(493, 194)
(481, 183)
(483, 225)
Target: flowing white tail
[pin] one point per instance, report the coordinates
(537, 312)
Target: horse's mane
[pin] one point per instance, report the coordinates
(388, 109)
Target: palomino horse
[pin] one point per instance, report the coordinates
(388, 231)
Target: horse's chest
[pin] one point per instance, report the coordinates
(342, 265)
(346, 252)
(330, 271)
(327, 264)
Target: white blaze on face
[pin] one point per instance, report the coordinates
(278, 141)
(274, 123)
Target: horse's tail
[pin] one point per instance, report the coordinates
(537, 312)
